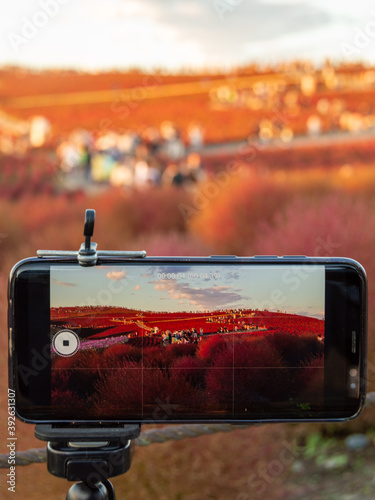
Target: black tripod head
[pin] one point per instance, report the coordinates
(90, 455)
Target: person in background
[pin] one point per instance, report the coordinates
(195, 135)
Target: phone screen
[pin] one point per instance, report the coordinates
(187, 342)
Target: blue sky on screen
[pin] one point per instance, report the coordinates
(192, 288)
(175, 34)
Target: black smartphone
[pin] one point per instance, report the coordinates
(188, 339)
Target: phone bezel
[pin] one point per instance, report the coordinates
(330, 263)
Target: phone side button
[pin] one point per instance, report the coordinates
(294, 256)
(223, 257)
(266, 257)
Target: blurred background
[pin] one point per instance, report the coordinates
(195, 128)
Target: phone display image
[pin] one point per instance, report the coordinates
(207, 341)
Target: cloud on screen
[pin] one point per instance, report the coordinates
(62, 283)
(116, 275)
(199, 298)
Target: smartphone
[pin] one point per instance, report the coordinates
(211, 339)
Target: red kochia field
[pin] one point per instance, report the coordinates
(102, 322)
(216, 362)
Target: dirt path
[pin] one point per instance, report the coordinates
(298, 142)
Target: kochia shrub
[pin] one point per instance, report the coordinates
(189, 369)
(150, 389)
(248, 371)
(295, 349)
(209, 348)
(115, 353)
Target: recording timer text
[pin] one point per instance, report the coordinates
(189, 276)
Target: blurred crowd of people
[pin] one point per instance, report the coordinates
(153, 156)
(297, 100)
(17, 136)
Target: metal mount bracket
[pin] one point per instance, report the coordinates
(88, 254)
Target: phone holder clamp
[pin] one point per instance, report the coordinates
(88, 254)
(90, 455)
